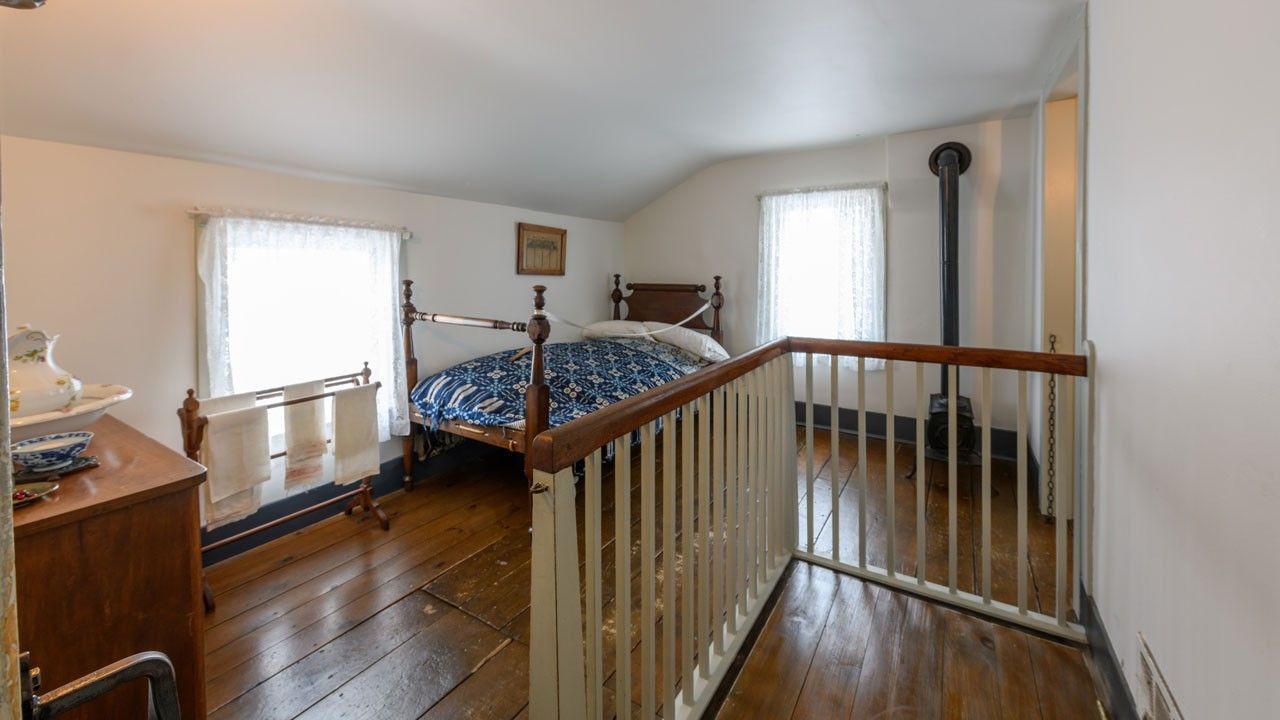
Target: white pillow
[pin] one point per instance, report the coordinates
(613, 328)
(688, 340)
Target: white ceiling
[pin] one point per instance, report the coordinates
(583, 107)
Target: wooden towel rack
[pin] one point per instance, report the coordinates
(193, 427)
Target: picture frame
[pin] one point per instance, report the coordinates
(540, 250)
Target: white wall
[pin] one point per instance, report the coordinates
(99, 249)
(708, 225)
(1184, 307)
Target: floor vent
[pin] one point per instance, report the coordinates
(1155, 701)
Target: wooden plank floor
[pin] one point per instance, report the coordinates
(836, 647)
(430, 619)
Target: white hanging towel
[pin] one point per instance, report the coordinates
(304, 436)
(237, 451)
(238, 505)
(355, 433)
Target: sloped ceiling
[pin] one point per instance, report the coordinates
(583, 107)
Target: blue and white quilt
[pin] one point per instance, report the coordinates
(583, 376)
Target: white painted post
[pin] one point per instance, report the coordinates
(835, 458)
(986, 485)
(592, 546)
(770, 449)
(669, 477)
(731, 501)
(890, 474)
(808, 450)
(704, 534)
(791, 491)
(687, 531)
(921, 472)
(952, 540)
(717, 519)
(648, 587)
(557, 687)
(862, 462)
(1022, 492)
(1062, 520)
(757, 478)
(742, 571)
(622, 574)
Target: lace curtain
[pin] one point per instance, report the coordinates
(822, 266)
(286, 301)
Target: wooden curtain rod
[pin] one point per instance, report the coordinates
(202, 212)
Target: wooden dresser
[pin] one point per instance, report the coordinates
(109, 565)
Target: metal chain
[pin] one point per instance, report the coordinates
(1052, 454)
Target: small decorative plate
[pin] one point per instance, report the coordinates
(27, 493)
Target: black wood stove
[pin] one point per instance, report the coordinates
(948, 161)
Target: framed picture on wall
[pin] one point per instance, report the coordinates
(539, 249)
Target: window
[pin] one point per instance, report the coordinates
(822, 264)
(288, 301)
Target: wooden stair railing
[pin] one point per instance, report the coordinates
(728, 449)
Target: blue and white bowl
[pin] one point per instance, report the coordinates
(50, 452)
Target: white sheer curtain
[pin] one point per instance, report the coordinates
(822, 265)
(287, 301)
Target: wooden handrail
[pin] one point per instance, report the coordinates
(558, 448)
(1052, 363)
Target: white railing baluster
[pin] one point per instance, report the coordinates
(648, 587)
(770, 494)
(952, 540)
(749, 471)
(790, 496)
(731, 504)
(986, 485)
(704, 534)
(761, 574)
(862, 462)
(717, 524)
(595, 627)
(835, 458)
(669, 476)
(742, 570)
(729, 483)
(622, 574)
(808, 449)
(922, 472)
(1021, 433)
(689, 641)
(1062, 515)
(890, 478)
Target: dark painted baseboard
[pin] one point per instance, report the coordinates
(389, 479)
(1114, 689)
(1004, 443)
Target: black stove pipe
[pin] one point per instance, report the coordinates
(948, 161)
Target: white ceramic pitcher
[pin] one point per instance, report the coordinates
(36, 383)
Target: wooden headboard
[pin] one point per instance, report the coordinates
(669, 303)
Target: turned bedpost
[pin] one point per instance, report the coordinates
(537, 397)
(407, 313)
(187, 415)
(616, 296)
(717, 302)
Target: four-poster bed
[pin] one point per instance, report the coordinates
(593, 376)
